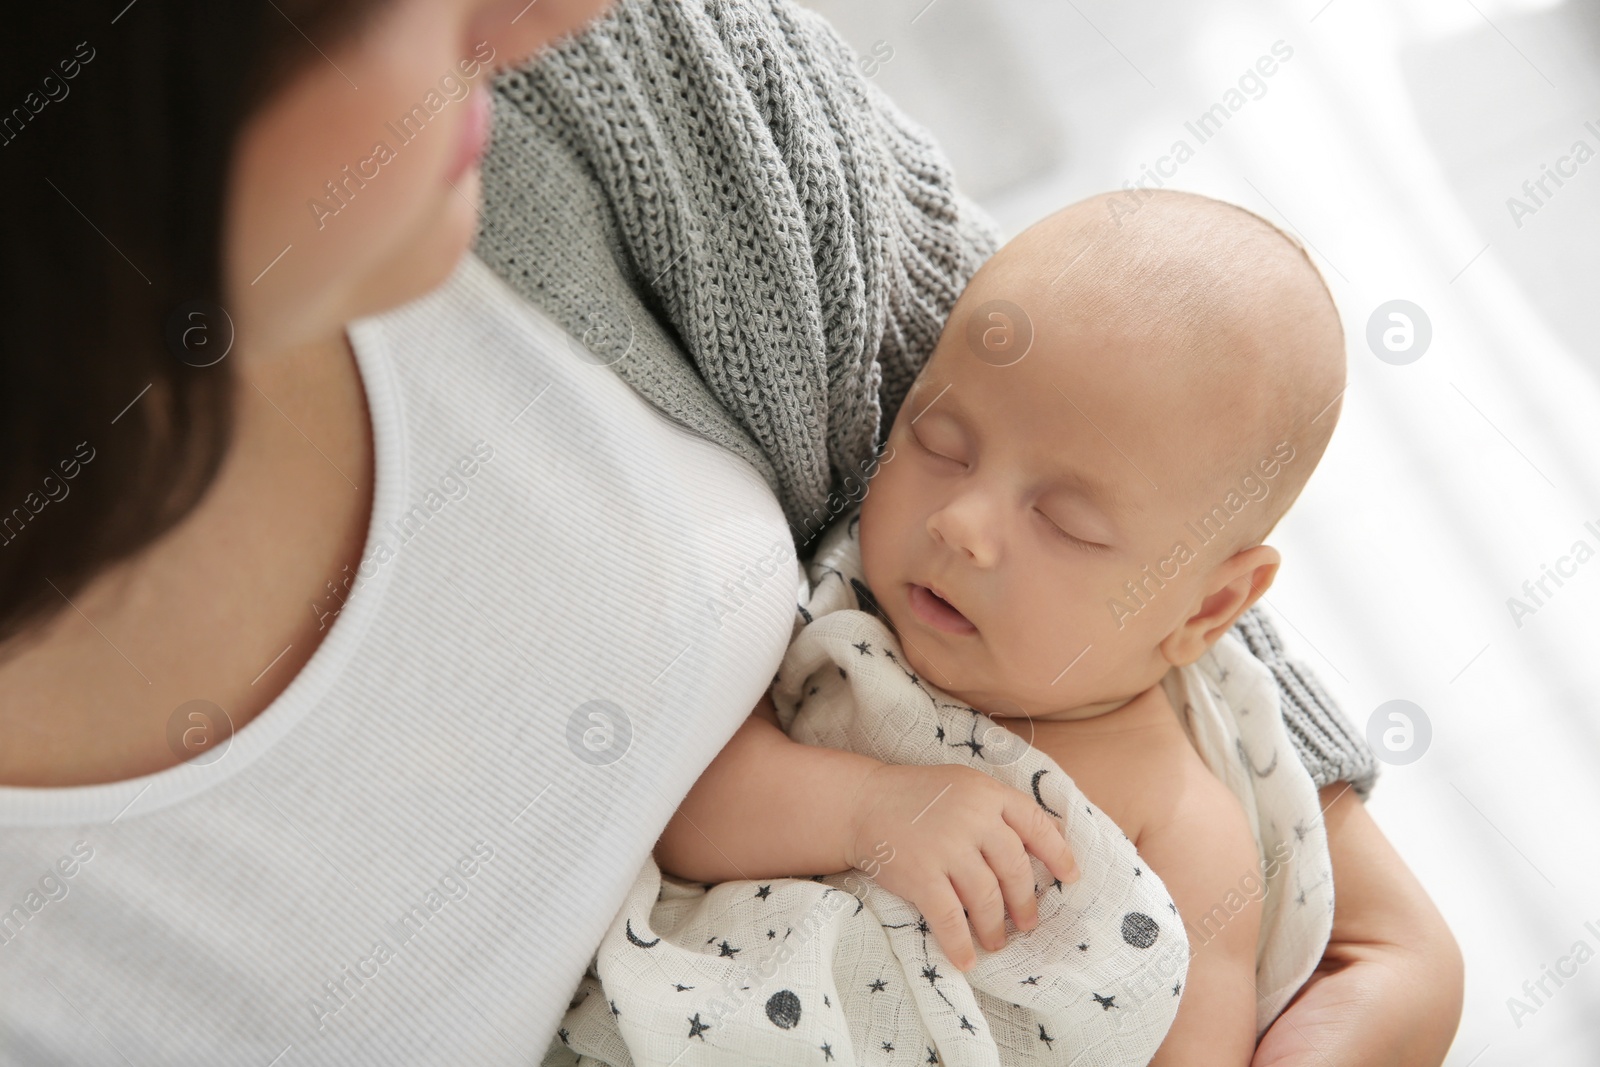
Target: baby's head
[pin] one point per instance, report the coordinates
(1117, 414)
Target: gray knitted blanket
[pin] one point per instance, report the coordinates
(713, 179)
(714, 202)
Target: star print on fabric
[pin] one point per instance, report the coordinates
(562, 1034)
(1084, 947)
(827, 1051)
(1049, 1042)
(696, 1027)
(826, 1003)
(771, 934)
(763, 892)
(931, 974)
(878, 986)
(1032, 979)
(939, 733)
(1177, 987)
(965, 1025)
(1056, 882)
(888, 1047)
(972, 743)
(1137, 872)
(933, 1057)
(680, 987)
(727, 950)
(1173, 907)
(842, 674)
(863, 648)
(614, 1010)
(1106, 1003)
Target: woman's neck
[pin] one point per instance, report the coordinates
(221, 608)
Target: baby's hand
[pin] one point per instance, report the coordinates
(948, 837)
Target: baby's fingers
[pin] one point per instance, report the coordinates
(948, 921)
(1041, 837)
(979, 890)
(1009, 862)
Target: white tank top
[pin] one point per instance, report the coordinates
(567, 604)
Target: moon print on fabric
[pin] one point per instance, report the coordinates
(635, 938)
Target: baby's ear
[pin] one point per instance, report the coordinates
(1229, 590)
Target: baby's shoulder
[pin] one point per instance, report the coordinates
(1151, 773)
(1186, 813)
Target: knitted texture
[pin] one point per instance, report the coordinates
(718, 206)
(801, 241)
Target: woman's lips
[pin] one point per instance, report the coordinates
(938, 613)
(474, 135)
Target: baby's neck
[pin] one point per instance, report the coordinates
(1117, 712)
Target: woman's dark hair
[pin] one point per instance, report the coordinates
(117, 127)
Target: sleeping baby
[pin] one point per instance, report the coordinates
(1026, 721)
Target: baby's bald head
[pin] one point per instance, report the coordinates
(1224, 308)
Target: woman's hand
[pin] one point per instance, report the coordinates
(948, 838)
(1388, 991)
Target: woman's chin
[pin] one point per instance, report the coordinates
(422, 264)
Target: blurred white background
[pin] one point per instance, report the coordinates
(1390, 141)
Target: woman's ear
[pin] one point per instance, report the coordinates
(1235, 584)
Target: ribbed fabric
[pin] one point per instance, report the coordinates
(231, 913)
(755, 238)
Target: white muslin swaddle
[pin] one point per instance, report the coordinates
(837, 970)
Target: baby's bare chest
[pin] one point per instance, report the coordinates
(1123, 768)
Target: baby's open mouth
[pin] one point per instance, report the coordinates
(937, 612)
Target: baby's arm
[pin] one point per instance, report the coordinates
(766, 807)
(947, 838)
(1203, 850)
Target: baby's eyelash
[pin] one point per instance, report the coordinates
(929, 451)
(1092, 546)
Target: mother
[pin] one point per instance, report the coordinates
(353, 664)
